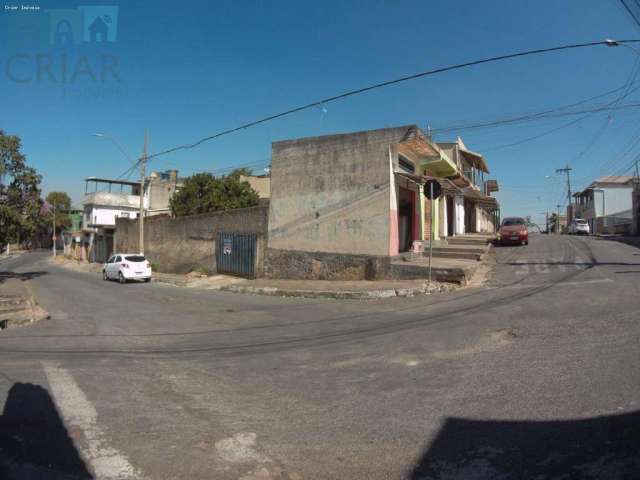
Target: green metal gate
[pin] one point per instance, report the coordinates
(236, 254)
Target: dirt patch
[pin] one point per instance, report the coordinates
(487, 343)
(484, 271)
(71, 264)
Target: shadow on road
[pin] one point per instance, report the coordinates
(34, 442)
(600, 447)
(4, 276)
(579, 264)
(629, 240)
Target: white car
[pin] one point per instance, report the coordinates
(126, 266)
(579, 227)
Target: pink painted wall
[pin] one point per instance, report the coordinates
(394, 234)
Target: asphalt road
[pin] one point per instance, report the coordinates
(534, 375)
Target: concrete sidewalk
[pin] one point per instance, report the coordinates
(360, 289)
(342, 290)
(354, 289)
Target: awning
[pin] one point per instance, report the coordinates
(426, 153)
(410, 176)
(459, 180)
(480, 199)
(492, 186)
(449, 187)
(446, 184)
(475, 159)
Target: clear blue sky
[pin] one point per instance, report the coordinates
(188, 69)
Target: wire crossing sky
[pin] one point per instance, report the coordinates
(211, 66)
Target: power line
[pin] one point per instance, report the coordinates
(535, 137)
(626, 7)
(534, 116)
(350, 93)
(613, 105)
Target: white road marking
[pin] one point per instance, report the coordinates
(76, 409)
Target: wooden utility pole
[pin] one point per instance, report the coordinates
(143, 165)
(567, 170)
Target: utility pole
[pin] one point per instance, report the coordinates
(54, 231)
(143, 165)
(558, 220)
(566, 170)
(546, 221)
(430, 228)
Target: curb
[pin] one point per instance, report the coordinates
(22, 310)
(170, 281)
(336, 295)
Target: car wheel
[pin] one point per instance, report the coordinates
(526, 242)
(104, 275)
(121, 278)
(147, 280)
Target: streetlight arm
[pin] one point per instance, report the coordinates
(118, 146)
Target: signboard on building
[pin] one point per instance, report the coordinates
(226, 246)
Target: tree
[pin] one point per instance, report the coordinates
(20, 201)
(61, 204)
(204, 193)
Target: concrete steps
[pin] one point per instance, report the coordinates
(470, 254)
(469, 240)
(456, 274)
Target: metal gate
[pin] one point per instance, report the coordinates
(236, 254)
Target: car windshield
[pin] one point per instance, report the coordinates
(135, 258)
(581, 222)
(509, 222)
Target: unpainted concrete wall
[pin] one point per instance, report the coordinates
(325, 266)
(261, 184)
(332, 193)
(184, 244)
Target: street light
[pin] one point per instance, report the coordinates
(115, 142)
(613, 43)
(143, 163)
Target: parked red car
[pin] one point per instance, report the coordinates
(513, 230)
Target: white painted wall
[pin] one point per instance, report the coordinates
(98, 215)
(443, 223)
(484, 221)
(458, 205)
(616, 200)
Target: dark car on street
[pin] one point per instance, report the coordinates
(513, 230)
